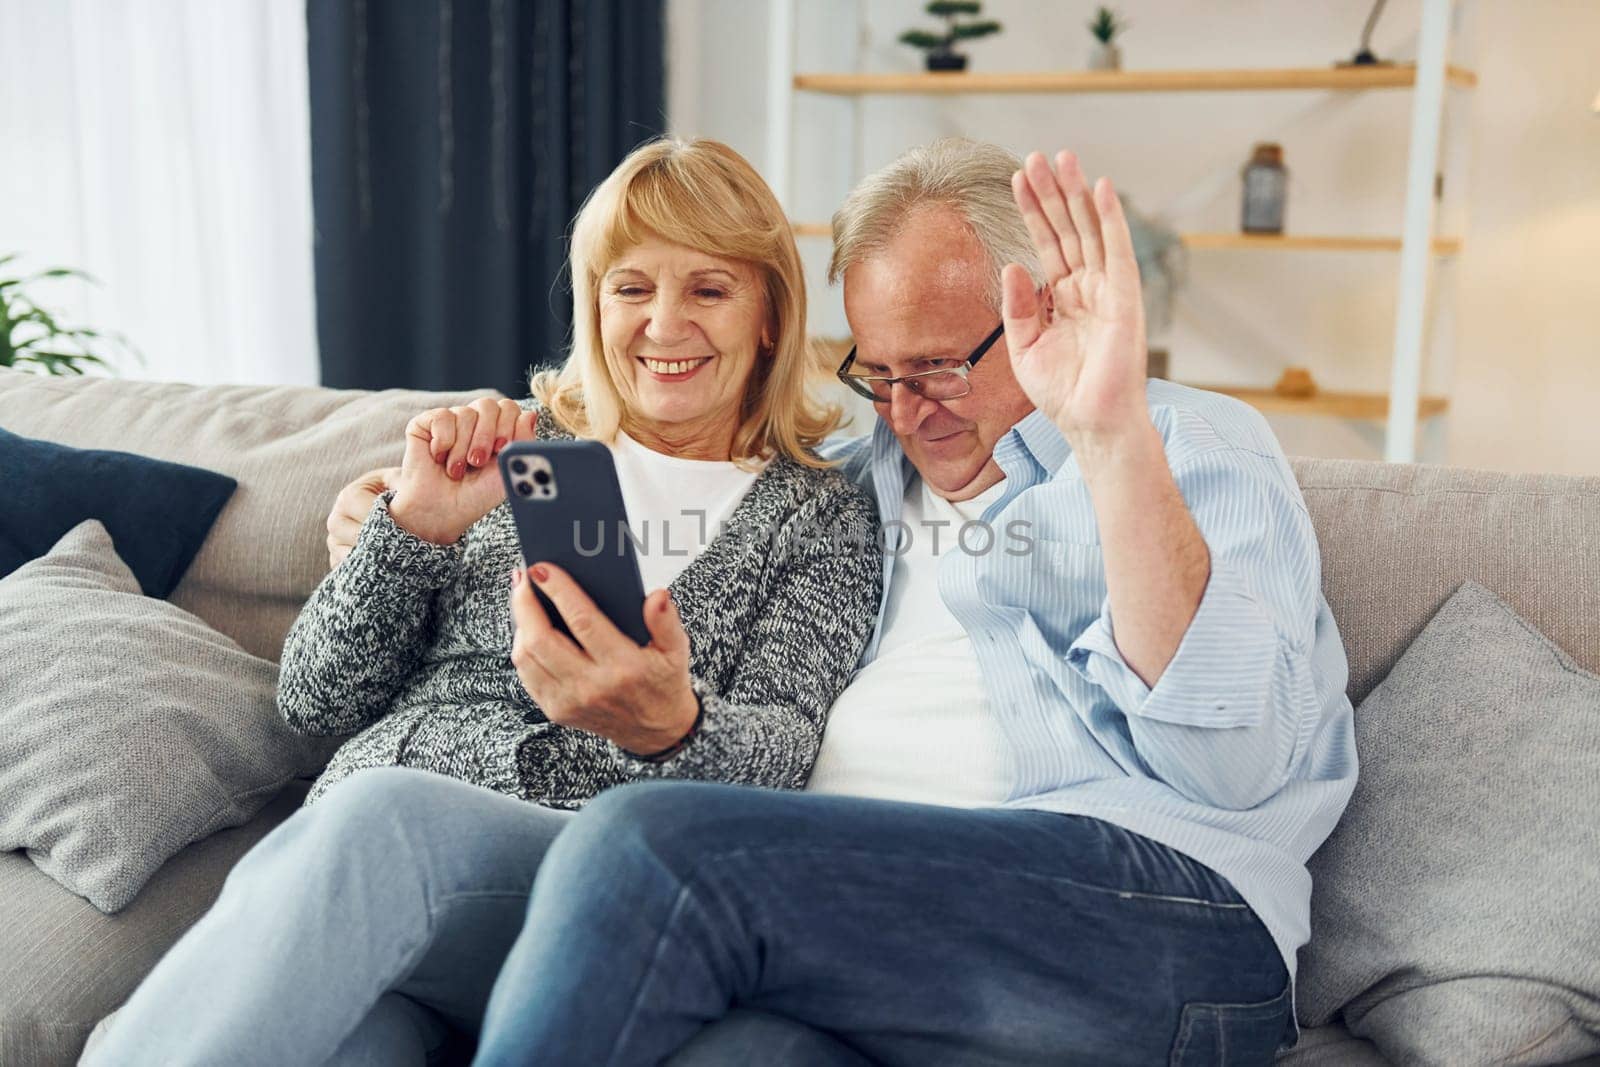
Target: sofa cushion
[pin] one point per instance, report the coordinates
(291, 448)
(1453, 917)
(1331, 1046)
(128, 727)
(66, 965)
(1397, 539)
(158, 513)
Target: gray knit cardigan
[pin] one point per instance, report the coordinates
(409, 643)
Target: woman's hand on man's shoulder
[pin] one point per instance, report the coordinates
(351, 508)
(447, 481)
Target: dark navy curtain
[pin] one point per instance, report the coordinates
(451, 143)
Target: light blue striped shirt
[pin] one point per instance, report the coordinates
(1243, 754)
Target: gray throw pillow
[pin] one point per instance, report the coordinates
(1453, 910)
(128, 727)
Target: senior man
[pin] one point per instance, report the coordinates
(1063, 812)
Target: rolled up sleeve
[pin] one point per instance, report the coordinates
(1218, 677)
(1231, 712)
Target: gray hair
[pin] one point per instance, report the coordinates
(970, 177)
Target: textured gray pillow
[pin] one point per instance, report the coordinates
(1454, 916)
(128, 727)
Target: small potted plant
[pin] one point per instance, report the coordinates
(942, 55)
(34, 338)
(1106, 26)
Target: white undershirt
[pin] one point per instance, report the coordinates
(915, 723)
(675, 506)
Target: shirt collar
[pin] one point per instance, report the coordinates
(891, 470)
(1034, 437)
(1043, 439)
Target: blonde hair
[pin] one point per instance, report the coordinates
(703, 195)
(970, 177)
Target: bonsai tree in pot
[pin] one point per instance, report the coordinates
(942, 55)
(1105, 26)
(34, 338)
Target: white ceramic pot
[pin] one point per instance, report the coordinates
(1105, 57)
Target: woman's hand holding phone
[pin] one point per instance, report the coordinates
(638, 697)
(448, 479)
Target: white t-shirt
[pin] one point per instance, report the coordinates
(675, 506)
(915, 723)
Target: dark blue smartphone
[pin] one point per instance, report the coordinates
(568, 509)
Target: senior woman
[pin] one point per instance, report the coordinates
(370, 926)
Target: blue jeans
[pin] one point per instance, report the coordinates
(365, 930)
(913, 934)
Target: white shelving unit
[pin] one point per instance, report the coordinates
(1418, 245)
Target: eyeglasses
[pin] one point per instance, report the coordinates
(944, 383)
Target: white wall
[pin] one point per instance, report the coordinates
(1527, 389)
(1518, 342)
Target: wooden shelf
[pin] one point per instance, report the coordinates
(1325, 402)
(1413, 311)
(1128, 81)
(1442, 246)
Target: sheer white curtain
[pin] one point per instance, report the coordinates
(164, 147)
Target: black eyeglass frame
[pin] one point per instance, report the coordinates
(856, 381)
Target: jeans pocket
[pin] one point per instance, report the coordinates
(1228, 1034)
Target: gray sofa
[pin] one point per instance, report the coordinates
(1396, 541)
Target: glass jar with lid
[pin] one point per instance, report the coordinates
(1266, 187)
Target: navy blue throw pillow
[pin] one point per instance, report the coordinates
(158, 513)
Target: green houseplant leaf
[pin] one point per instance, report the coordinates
(32, 337)
(968, 31)
(1106, 25)
(921, 39)
(939, 43)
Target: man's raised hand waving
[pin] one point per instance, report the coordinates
(1078, 347)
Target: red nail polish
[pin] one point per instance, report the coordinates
(457, 470)
(540, 574)
(476, 459)
(499, 443)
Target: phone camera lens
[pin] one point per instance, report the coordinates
(524, 488)
(519, 466)
(542, 477)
